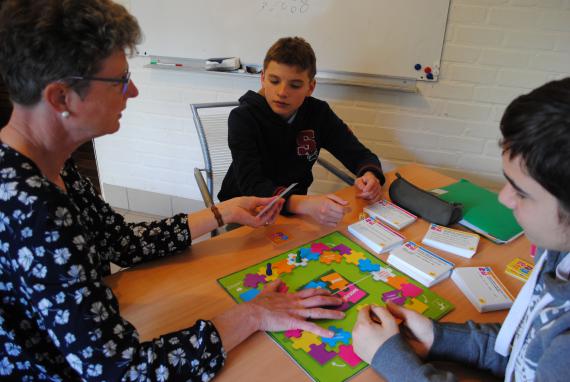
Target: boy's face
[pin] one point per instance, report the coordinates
(285, 87)
(535, 209)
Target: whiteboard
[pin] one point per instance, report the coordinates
(372, 37)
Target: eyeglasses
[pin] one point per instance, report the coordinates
(125, 80)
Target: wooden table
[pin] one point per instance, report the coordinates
(170, 294)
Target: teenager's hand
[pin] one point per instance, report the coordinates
(418, 329)
(327, 209)
(277, 311)
(243, 210)
(369, 187)
(374, 326)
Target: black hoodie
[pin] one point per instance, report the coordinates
(269, 153)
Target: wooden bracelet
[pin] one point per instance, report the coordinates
(217, 214)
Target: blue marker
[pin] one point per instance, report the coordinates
(268, 271)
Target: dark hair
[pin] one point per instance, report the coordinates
(536, 127)
(43, 41)
(292, 51)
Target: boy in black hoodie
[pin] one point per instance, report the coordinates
(275, 137)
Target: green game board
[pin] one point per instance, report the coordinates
(334, 360)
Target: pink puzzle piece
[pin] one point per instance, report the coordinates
(352, 294)
(411, 290)
(295, 333)
(320, 354)
(319, 247)
(346, 352)
(252, 280)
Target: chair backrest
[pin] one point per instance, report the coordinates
(211, 120)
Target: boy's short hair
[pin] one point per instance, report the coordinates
(43, 41)
(536, 127)
(293, 51)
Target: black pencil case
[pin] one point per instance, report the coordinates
(423, 203)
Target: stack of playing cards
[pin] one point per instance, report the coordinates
(375, 235)
(519, 268)
(451, 240)
(482, 287)
(419, 263)
(390, 214)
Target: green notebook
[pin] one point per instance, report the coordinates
(482, 211)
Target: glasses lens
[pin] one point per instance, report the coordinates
(126, 82)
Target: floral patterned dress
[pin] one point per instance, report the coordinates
(58, 319)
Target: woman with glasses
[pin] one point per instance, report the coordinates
(67, 74)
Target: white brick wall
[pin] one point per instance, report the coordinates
(494, 50)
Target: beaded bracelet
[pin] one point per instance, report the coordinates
(217, 214)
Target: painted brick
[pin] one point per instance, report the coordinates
(492, 149)
(563, 43)
(494, 94)
(399, 119)
(437, 158)
(479, 36)
(467, 111)
(552, 62)
(504, 58)
(448, 90)
(473, 74)
(480, 163)
(556, 20)
(393, 152)
(416, 139)
(531, 40)
(445, 126)
(462, 144)
(481, 2)
(467, 14)
(355, 115)
(460, 53)
(482, 130)
(513, 17)
(375, 133)
(521, 78)
(498, 111)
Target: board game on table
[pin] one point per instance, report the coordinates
(340, 265)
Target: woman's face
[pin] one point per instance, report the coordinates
(99, 110)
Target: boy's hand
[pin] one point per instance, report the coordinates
(327, 209)
(369, 187)
(374, 326)
(418, 329)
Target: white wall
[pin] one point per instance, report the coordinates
(494, 50)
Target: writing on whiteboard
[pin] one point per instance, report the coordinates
(293, 7)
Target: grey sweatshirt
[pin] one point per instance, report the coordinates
(545, 352)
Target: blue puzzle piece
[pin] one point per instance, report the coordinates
(308, 254)
(367, 266)
(249, 295)
(340, 336)
(316, 284)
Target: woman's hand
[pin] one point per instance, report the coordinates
(368, 187)
(277, 311)
(243, 210)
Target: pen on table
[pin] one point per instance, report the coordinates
(165, 64)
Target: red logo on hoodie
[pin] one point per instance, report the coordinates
(306, 145)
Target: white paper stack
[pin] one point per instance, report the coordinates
(421, 264)
(451, 240)
(482, 287)
(375, 235)
(390, 214)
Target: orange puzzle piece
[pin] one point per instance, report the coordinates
(328, 257)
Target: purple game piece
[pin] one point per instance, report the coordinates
(320, 354)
